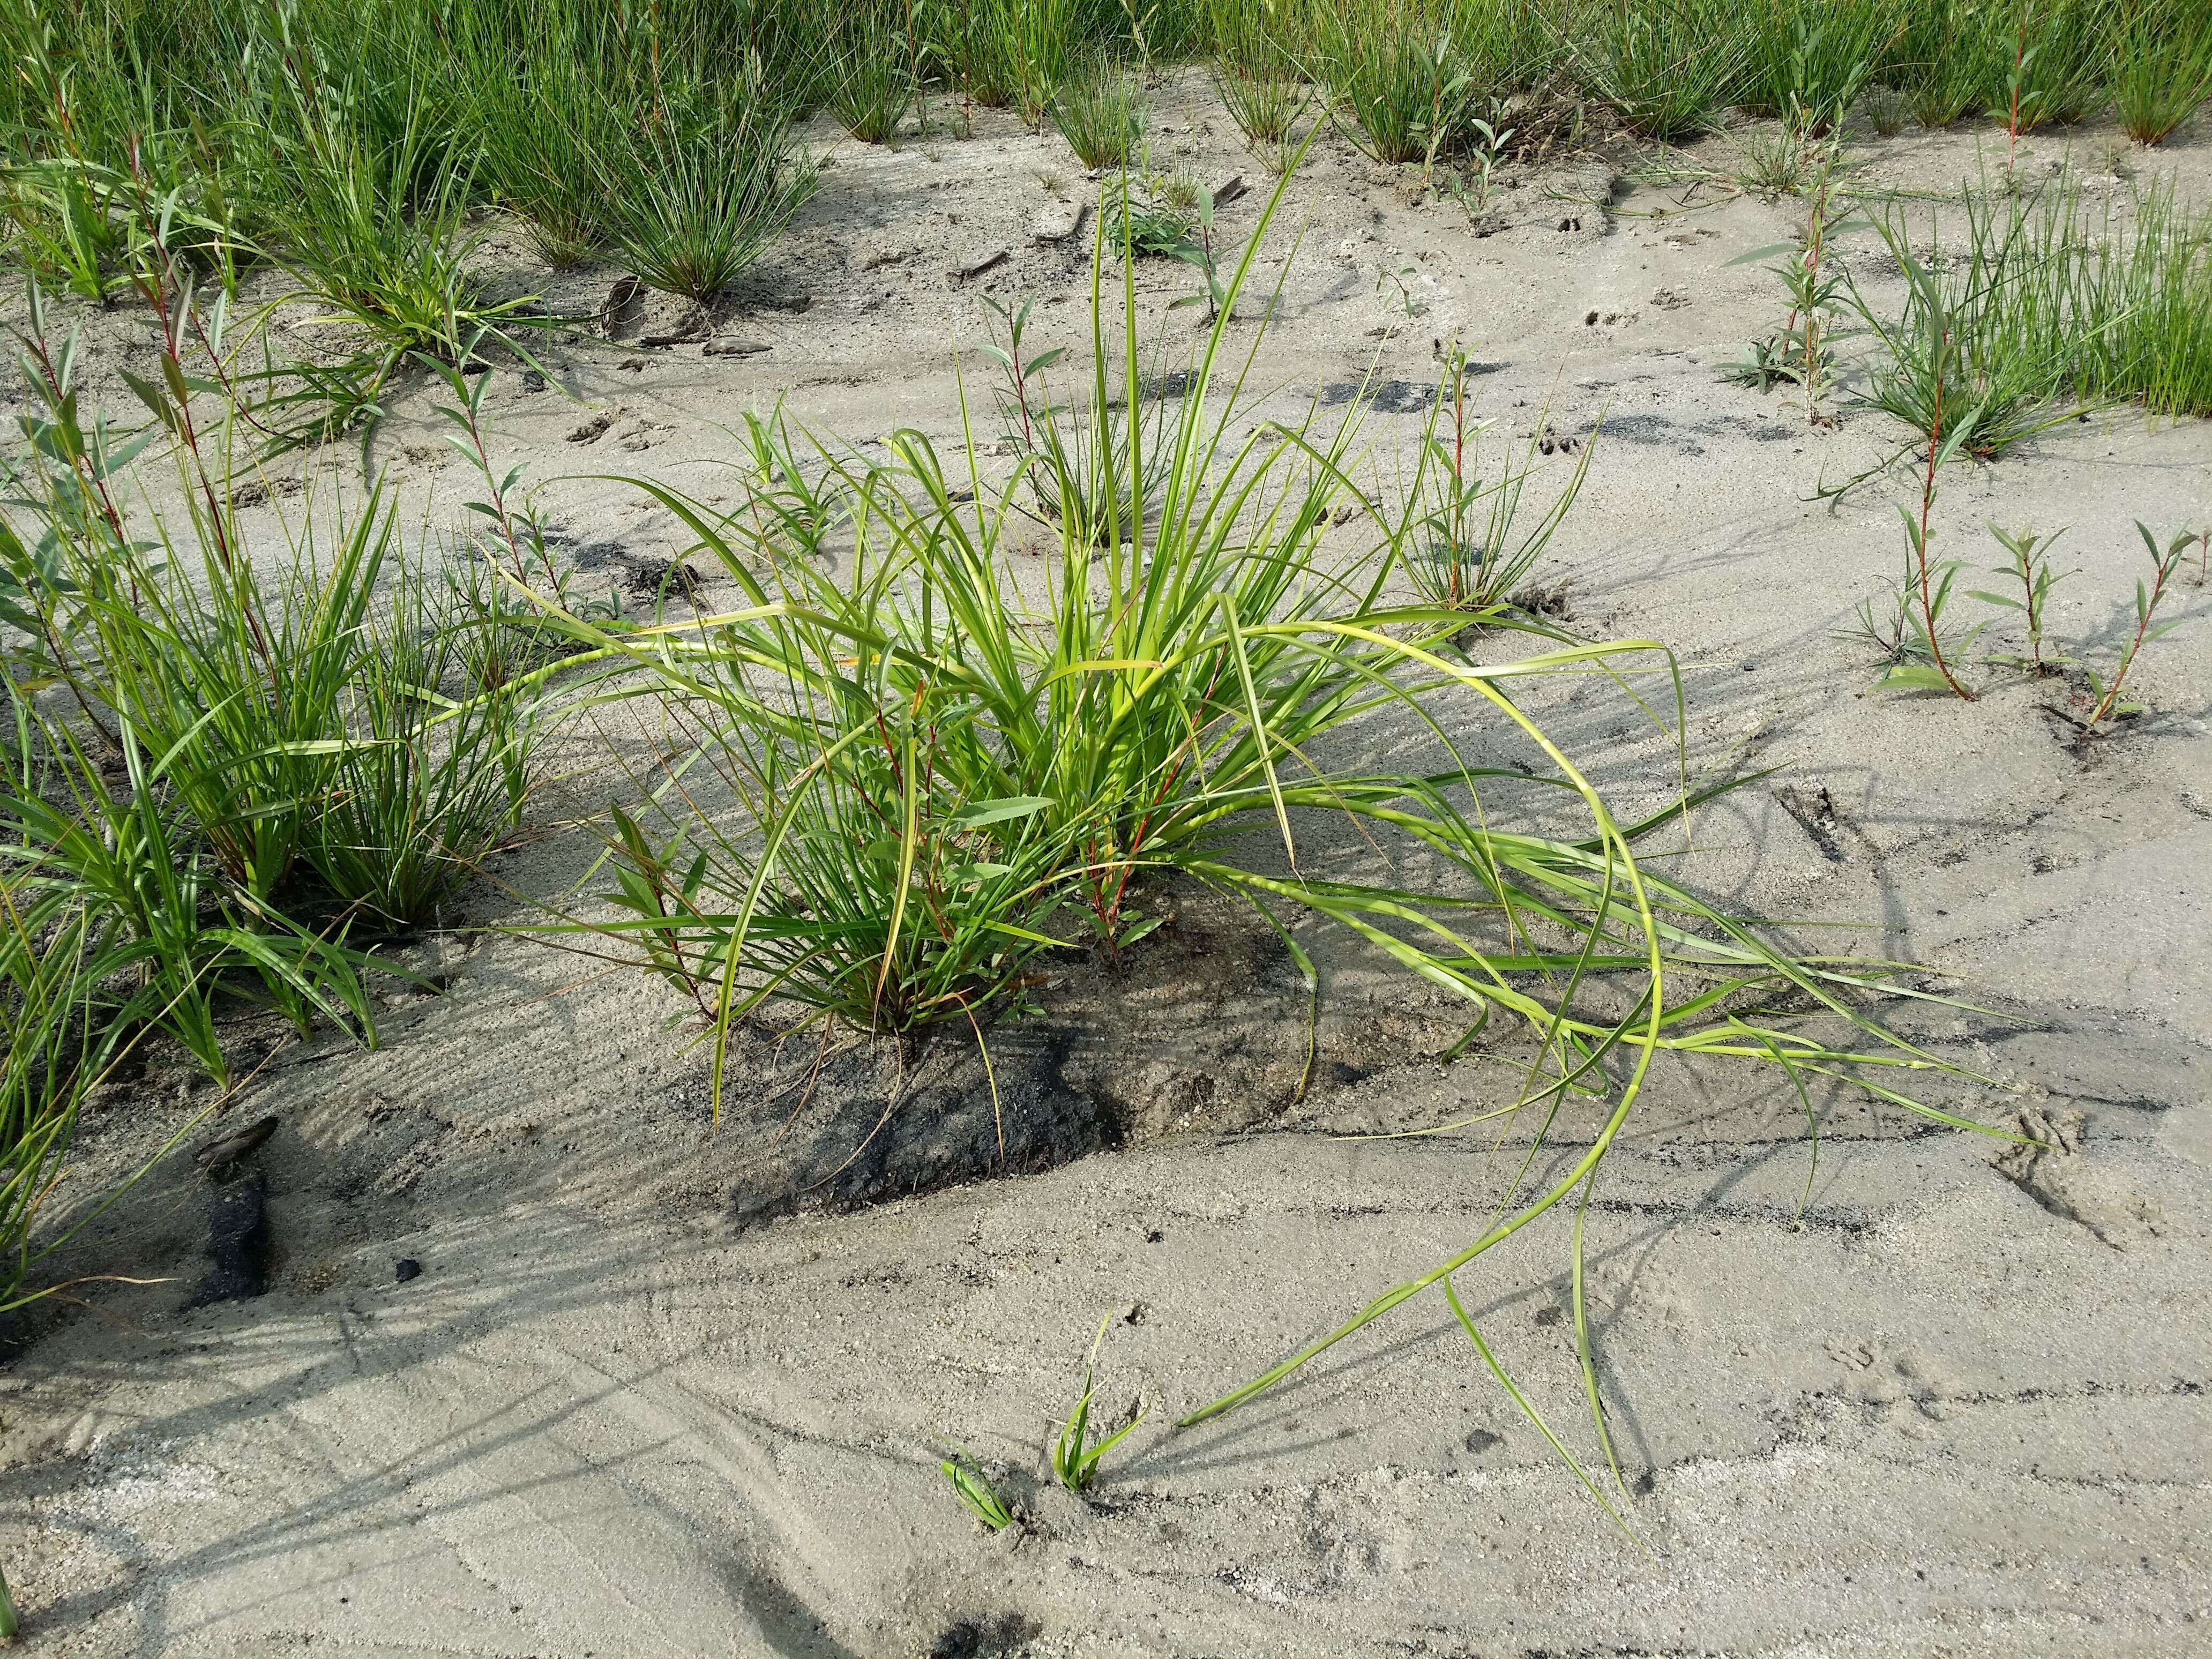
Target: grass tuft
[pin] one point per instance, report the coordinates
(698, 196)
(1102, 114)
(1667, 68)
(2163, 71)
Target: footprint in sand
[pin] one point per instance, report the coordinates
(2050, 1167)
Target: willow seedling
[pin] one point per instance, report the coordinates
(1802, 353)
(2164, 562)
(2031, 567)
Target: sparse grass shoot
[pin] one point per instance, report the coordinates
(974, 1489)
(1075, 1456)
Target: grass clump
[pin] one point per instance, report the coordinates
(376, 235)
(876, 78)
(2047, 304)
(2055, 64)
(223, 766)
(1397, 73)
(1102, 114)
(427, 782)
(1258, 78)
(702, 191)
(289, 746)
(1017, 52)
(913, 766)
(1667, 67)
(2163, 71)
(1806, 61)
(1945, 61)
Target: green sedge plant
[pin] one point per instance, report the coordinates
(701, 188)
(2162, 74)
(897, 765)
(876, 82)
(1102, 114)
(1667, 68)
(1807, 61)
(1257, 78)
(1396, 74)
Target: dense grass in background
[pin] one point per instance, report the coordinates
(354, 141)
(2165, 69)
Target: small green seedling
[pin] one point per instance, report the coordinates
(1814, 284)
(2148, 600)
(1923, 645)
(2030, 564)
(1406, 301)
(976, 1492)
(1199, 255)
(8, 1625)
(1074, 1459)
(1767, 362)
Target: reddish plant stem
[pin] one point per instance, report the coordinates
(1927, 502)
(2145, 612)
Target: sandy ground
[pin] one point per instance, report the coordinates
(662, 1388)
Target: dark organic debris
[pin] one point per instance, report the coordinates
(1815, 812)
(989, 262)
(238, 1242)
(216, 1157)
(1540, 600)
(653, 578)
(627, 295)
(1385, 396)
(985, 1638)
